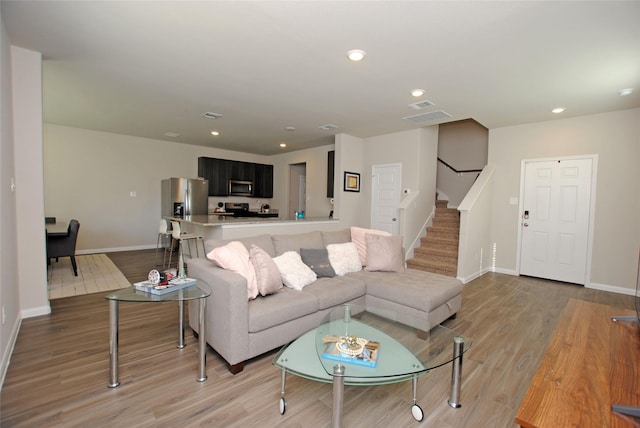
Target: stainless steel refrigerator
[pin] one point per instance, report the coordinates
(184, 196)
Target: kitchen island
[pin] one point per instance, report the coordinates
(215, 226)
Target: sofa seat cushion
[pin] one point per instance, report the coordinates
(416, 289)
(334, 291)
(278, 308)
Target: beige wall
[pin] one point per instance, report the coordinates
(615, 138)
(317, 203)
(89, 175)
(9, 288)
(463, 145)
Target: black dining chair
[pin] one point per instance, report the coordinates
(64, 246)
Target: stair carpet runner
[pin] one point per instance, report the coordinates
(438, 251)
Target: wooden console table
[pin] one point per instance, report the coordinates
(591, 363)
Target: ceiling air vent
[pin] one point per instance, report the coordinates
(428, 117)
(421, 104)
(211, 115)
(328, 127)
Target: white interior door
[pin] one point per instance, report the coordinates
(385, 197)
(555, 219)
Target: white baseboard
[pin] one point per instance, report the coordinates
(6, 357)
(115, 249)
(612, 288)
(505, 271)
(35, 312)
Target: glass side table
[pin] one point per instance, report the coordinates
(200, 291)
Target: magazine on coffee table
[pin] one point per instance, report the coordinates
(172, 285)
(350, 349)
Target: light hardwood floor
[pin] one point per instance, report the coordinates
(60, 367)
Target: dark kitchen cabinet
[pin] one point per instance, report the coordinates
(220, 171)
(331, 162)
(263, 182)
(217, 172)
(243, 171)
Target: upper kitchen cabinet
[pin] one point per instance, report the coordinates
(263, 182)
(220, 171)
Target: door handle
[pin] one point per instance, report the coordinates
(393, 219)
(525, 224)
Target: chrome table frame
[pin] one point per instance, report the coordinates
(114, 316)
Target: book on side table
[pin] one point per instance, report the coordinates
(350, 349)
(172, 285)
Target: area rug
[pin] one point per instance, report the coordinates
(96, 273)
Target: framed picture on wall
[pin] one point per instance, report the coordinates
(351, 182)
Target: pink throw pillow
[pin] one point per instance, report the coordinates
(267, 273)
(235, 257)
(359, 236)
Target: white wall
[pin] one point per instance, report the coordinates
(615, 138)
(9, 288)
(416, 150)
(89, 176)
(350, 206)
(317, 203)
(27, 136)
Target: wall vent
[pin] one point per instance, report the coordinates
(428, 117)
(328, 127)
(421, 104)
(211, 115)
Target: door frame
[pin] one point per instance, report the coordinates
(592, 206)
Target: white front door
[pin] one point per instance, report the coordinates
(555, 219)
(385, 197)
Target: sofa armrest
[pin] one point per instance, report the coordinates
(227, 311)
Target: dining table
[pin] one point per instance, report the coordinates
(59, 228)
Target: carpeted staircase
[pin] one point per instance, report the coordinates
(438, 251)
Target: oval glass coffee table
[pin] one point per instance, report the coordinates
(365, 346)
(199, 291)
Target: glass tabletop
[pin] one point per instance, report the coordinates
(395, 349)
(197, 291)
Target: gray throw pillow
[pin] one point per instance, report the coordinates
(318, 261)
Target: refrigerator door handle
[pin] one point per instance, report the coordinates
(187, 207)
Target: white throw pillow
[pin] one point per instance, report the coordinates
(235, 257)
(344, 258)
(295, 274)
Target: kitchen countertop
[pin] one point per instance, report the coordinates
(226, 220)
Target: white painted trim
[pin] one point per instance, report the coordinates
(505, 271)
(36, 312)
(474, 275)
(6, 357)
(611, 288)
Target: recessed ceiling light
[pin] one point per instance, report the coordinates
(290, 128)
(417, 92)
(557, 110)
(215, 133)
(625, 92)
(283, 145)
(356, 54)
(172, 134)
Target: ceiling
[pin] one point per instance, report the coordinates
(148, 68)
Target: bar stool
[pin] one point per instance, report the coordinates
(163, 233)
(188, 237)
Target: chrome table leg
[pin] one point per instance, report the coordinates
(181, 343)
(202, 346)
(456, 372)
(338, 395)
(113, 344)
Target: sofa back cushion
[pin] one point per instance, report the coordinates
(336, 237)
(262, 241)
(284, 243)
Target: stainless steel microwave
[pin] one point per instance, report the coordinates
(240, 188)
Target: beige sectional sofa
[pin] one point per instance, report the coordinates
(238, 328)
